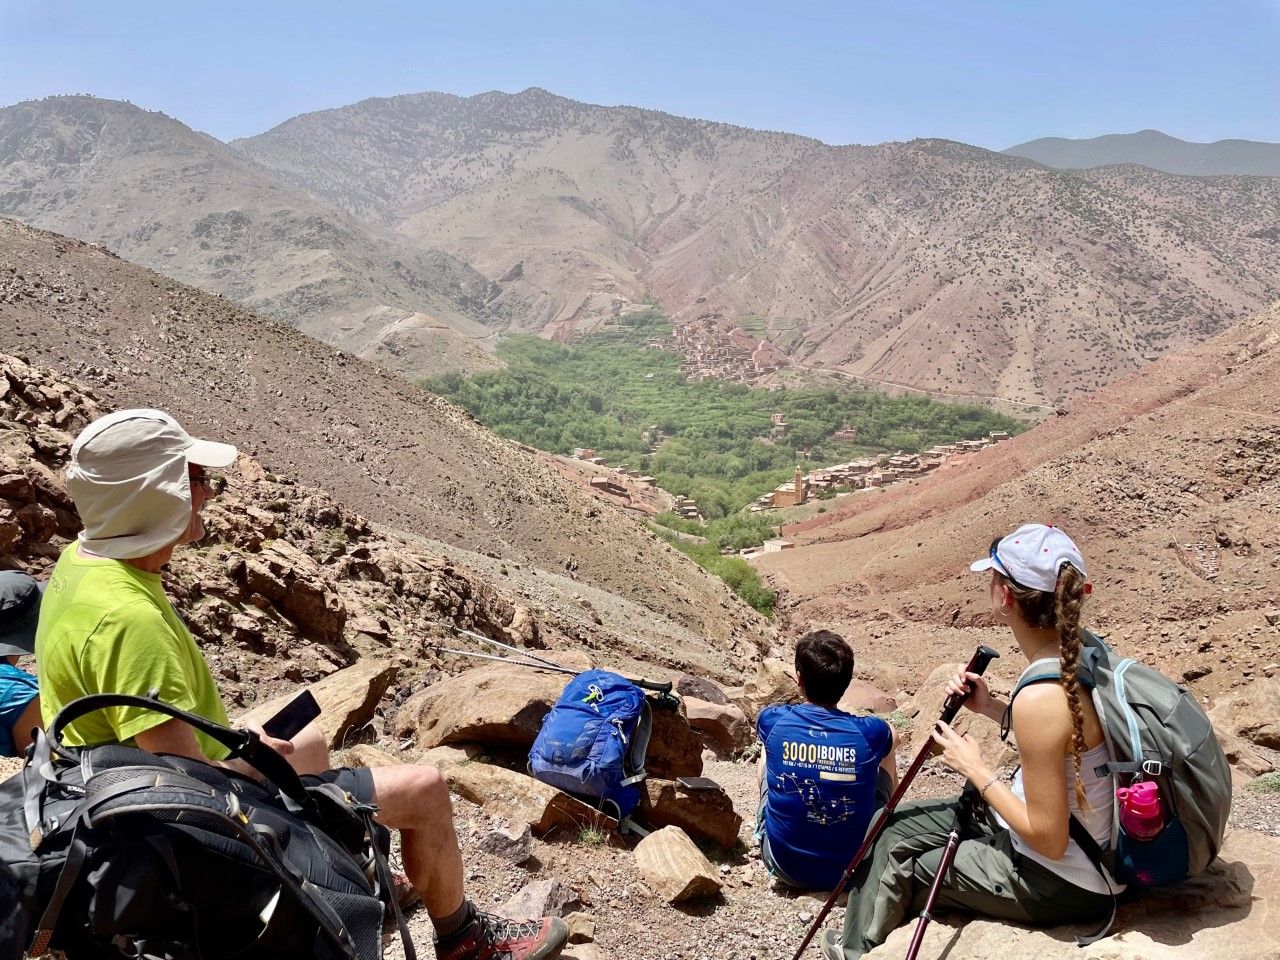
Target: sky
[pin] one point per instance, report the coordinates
(991, 73)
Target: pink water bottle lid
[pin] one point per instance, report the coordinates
(1144, 798)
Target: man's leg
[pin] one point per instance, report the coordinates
(415, 801)
(310, 751)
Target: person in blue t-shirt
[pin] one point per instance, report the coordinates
(19, 691)
(824, 772)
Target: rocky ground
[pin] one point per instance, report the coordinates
(753, 918)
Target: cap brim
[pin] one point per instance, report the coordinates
(20, 641)
(208, 453)
(986, 563)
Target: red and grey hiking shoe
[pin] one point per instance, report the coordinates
(487, 937)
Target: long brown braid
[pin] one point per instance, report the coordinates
(1060, 610)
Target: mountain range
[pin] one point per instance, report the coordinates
(413, 229)
(1159, 151)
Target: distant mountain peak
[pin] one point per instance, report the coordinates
(1157, 150)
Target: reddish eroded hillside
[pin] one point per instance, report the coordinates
(1169, 479)
(377, 444)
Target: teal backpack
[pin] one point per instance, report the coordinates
(1155, 730)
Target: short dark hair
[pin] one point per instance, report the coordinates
(824, 662)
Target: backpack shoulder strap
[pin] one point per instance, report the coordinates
(1040, 671)
(634, 760)
(1084, 840)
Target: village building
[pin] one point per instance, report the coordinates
(610, 486)
(791, 494)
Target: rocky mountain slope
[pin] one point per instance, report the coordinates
(928, 263)
(1156, 150)
(1170, 481)
(161, 194)
(378, 445)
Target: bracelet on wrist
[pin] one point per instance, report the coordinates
(982, 790)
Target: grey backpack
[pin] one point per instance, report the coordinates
(1156, 731)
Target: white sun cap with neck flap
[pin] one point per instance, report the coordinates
(128, 478)
(1032, 555)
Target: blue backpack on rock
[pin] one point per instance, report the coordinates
(593, 742)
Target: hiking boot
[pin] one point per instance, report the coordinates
(832, 945)
(488, 937)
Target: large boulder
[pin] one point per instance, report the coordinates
(491, 705)
(927, 706)
(513, 796)
(723, 727)
(674, 868)
(1232, 912)
(705, 814)
(347, 698)
(863, 697)
(675, 749)
(292, 580)
(1246, 759)
(1253, 713)
(700, 688)
(774, 682)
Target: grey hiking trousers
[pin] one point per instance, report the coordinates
(987, 877)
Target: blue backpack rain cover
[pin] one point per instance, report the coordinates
(593, 741)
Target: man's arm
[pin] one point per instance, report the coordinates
(28, 720)
(890, 762)
(177, 739)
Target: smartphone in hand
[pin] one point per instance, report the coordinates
(296, 714)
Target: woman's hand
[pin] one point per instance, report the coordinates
(973, 688)
(961, 754)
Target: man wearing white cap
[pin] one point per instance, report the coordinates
(140, 482)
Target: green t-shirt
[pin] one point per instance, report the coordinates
(107, 627)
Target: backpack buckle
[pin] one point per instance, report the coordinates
(1153, 768)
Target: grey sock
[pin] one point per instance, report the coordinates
(449, 927)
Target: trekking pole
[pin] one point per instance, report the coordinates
(663, 688)
(507, 660)
(966, 809)
(505, 646)
(978, 664)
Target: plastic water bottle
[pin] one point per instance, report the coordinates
(1140, 813)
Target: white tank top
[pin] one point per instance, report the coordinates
(1074, 866)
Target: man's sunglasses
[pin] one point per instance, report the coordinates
(211, 483)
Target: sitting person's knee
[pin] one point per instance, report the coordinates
(411, 794)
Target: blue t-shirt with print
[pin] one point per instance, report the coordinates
(820, 766)
(17, 689)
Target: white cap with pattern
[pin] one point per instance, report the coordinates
(1032, 555)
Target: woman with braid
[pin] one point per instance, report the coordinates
(1021, 866)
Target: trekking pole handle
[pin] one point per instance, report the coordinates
(655, 686)
(978, 664)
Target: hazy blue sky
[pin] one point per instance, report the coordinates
(991, 73)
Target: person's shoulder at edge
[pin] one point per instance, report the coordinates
(770, 715)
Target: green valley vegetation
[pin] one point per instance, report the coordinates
(609, 390)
